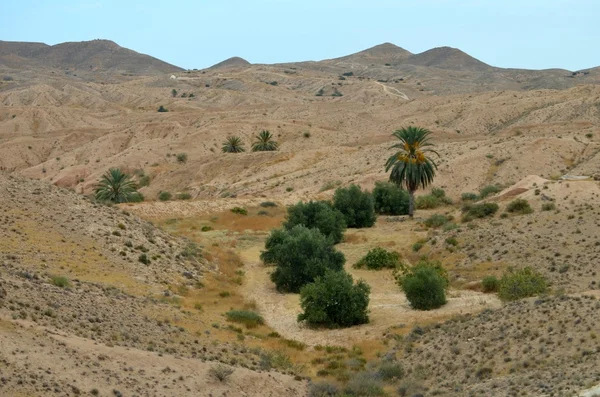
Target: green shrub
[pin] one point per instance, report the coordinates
(548, 207)
(490, 284)
(519, 206)
(487, 190)
(239, 210)
(518, 284)
(474, 211)
(334, 300)
(364, 384)
(390, 199)
(427, 201)
(469, 197)
(206, 228)
(424, 284)
(300, 255)
(267, 204)
(320, 215)
(162, 109)
(184, 196)
(450, 226)
(378, 258)
(143, 258)
(322, 389)
(60, 281)
(248, 318)
(390, 370)
(136, 197)
(436, 220)
(356, 205)
(164, 196)
(182, 157)
(416, 247)
(144, 181)
(451, 241)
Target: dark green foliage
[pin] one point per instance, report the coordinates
(378, 258)
(182, 157)
(436, 220)
(233, 144)
(264, 142)
(165, 196)
(320, 215)
(518, 284)
(519, 206)
(356, 205)
(548, 206)
(390, 199)
(239, 211)
(267, 204)
(333, 300)
(173, 92)
(424, 284)
(490, 284)
(162, 109)
(143, 258)
(300, 255)
(469, 197)
(115, 186)
(473, 211)
(184, 196)
(248, 318)
(136, 197)
(487, 190)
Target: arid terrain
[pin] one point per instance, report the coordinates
(131, 299)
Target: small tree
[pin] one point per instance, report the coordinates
(264, 142)
(233, 144)
(300, 255)
(334, 300)
(424, 284)
(357, 206)
(174, 92)
(115, 186)
(320, 215)
(390, 199)
(162, 109)
(410, 166)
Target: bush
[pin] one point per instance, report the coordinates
(164, 196)
(184, 196)
(390, 199)
(356, 205)
(143, 258)
(436, 220)
(239, 210)
(490, 284)
(320, 215)
(322, 389)
(378, 258)
(334, 300)
(522, 283)
(182, 157)
(136, 197)
(427, 201)
(248, 318)
(60, 281)
(424, 284)
(221, 372)
(390, 370)
(487, 190)
(548, 207)
(473, 211)
(364, 384)
(162, 109)
(301, 255)
(469, 197)
(267, 204)
(519, 206)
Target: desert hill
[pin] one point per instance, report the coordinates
(448, 58)
(231, 62)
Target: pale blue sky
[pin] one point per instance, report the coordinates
(532, 34)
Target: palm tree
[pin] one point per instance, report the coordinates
(264, 142)
(233, 144)
(411, 168)
(115, 186)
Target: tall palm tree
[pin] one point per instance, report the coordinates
(410, 166)
(115, 186)
(264, 142)
(233, 144)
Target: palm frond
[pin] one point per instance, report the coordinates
(233, 144)
(115, 186)
(264, 142)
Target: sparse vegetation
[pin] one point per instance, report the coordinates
(488, 190)
(182, 158)
(184, 196)
(60, 281)
(221, 372)
(436, 220)
(239, 210)
(379, 258)
(320, 215)
(248, 318)
(356, 205)
(162, 109)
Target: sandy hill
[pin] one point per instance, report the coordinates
(89, 56)
(231, 62)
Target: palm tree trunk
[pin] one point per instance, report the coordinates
(411, 203)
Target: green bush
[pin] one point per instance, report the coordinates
(436, 220)
(490, 284)
(364, 384)
(487, 190)
(390, 370)
(60, 281)
(474, 211)
(144, 181)
(390, 199)
(136, 197)
(424, 284)
(248, 318)
(182, 157)
(548, 207)
(164, 196)
(378, 258)
(184, 196)
(518, 284)
(519, 206)
(300, 255)
(427, 201)
(356, 205)
(320, 215)
(239, 210)
(267, 204)
(162, 109)
(143, 258)
(469, 197)
(322, 389)
(334, 300)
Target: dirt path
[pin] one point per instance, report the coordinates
(393, 91)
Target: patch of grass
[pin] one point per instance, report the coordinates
(249, 318)
(60, 281)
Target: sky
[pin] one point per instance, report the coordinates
(531, 34)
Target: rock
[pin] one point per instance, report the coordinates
(2, 295)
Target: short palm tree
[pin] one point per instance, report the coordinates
(115, 186)
(264, 142)
(233, 144)
(410, 166)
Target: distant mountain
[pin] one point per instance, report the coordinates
(94, 55)
(448, 58)
(231, 62)
(386, 53)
